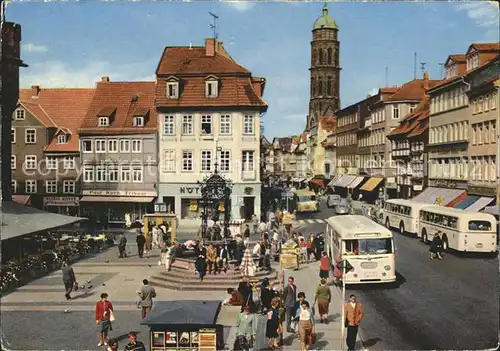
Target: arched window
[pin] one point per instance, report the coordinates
(329, 86)
(314, 56)
(313, 86)
(320, 86)
(329, 56)
(321, 56)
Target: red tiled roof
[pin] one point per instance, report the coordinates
(414, 90)
(106, 111)
(233, 92)
(421, 128)
(413, 120)
(486, 46)
(125, 98)
(389, 90)
(457, 58)
(59, 108)
(185, 60)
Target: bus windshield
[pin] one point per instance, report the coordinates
(368, 246)
(480, 225)
(307, 198)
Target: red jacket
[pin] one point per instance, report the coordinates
(102, 309)
(324, 263)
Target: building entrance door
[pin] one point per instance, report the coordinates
(170, 202)
(248, 207)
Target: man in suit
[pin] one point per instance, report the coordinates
(122, 246)
(147, 293)
(69, 279)
(141, 241)
(222, 258)
(353, 316)
(290, 297)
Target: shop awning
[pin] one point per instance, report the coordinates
(319, 182)
(335, 179)
(428, 196)
(21, 199)
(116, 199)
(481, 203)
(469, 200)
(18, 220)
(183, 312)
(449, 195)
(371, 184)
(345, 181)
(355, 182)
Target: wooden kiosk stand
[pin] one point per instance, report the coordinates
(185, 325)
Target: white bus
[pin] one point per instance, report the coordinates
(403, 215)
(462, 230)
(367, 246)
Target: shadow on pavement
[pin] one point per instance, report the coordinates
(83, 296)
(371, 342)
(400, 280)
(333, 317)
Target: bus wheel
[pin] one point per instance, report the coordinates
(424, 236)
(446, 246)
(401, 228)
(387, 223)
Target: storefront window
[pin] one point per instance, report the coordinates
(190, 209)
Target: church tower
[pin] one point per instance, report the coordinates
(325, 69)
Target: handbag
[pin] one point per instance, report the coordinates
(75, 285)
(311, 338)
(111, 316)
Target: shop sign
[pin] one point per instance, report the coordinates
(189, 190)
(61, 201)
(118, 193)
(417, 187)
(160, 208)
(446, 184)
(479, 190)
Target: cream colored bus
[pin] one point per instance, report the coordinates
(403, 215)
(462, 230)
(367, 246)
(306, 200)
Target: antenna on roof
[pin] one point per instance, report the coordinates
(422, 67)
(415, 65)
(441, 67)
(214, 23)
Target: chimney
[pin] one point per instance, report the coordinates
(426, 80)
(35, 91)
(105, 79)
(210, 47)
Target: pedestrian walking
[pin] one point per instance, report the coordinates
(103, 318)
(69, 279)
(133, 343)
(122, 246)
(201, 264)
(353, 316)
(148, 244)
(324, 266)
(170, 256)
(246, 329)
(273, 325)
(290, 297)
(436, 248)
(141, 241)
(337, 272)
(255, 224)
(146, 294)
(322, 298)
(316, 245)
(306, 326)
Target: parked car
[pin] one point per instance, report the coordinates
(333, 200)
(342, 209)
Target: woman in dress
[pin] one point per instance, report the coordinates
(201, 264)
(247, 266)
(306, 324)
(323, 297)
(324, 266)
(273, 325)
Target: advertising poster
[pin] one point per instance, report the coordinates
(207, 340)
(194, 340)
(158, 339)
(184, 339)
(171, 339)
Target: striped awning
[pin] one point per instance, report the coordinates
(335, 179)
(469, 200)
(481, 203)
(355, 182)
(345, 181)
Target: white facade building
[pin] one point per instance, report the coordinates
(208, 117)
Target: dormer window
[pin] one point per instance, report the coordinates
(473, 61)
(451, 71)
(61, 139)
(20, 113)
(172, 90)
(103, 121)
(211, 87)
(138, 121)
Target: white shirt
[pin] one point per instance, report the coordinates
(262, 226)
(304, 315)
(353, 304)
(276, 236)
(256, 249)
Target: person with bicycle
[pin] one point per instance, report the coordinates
(246, 329)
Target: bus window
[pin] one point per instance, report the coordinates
(480, 225)
(375, 246)
(453, 222)
(352, 247)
